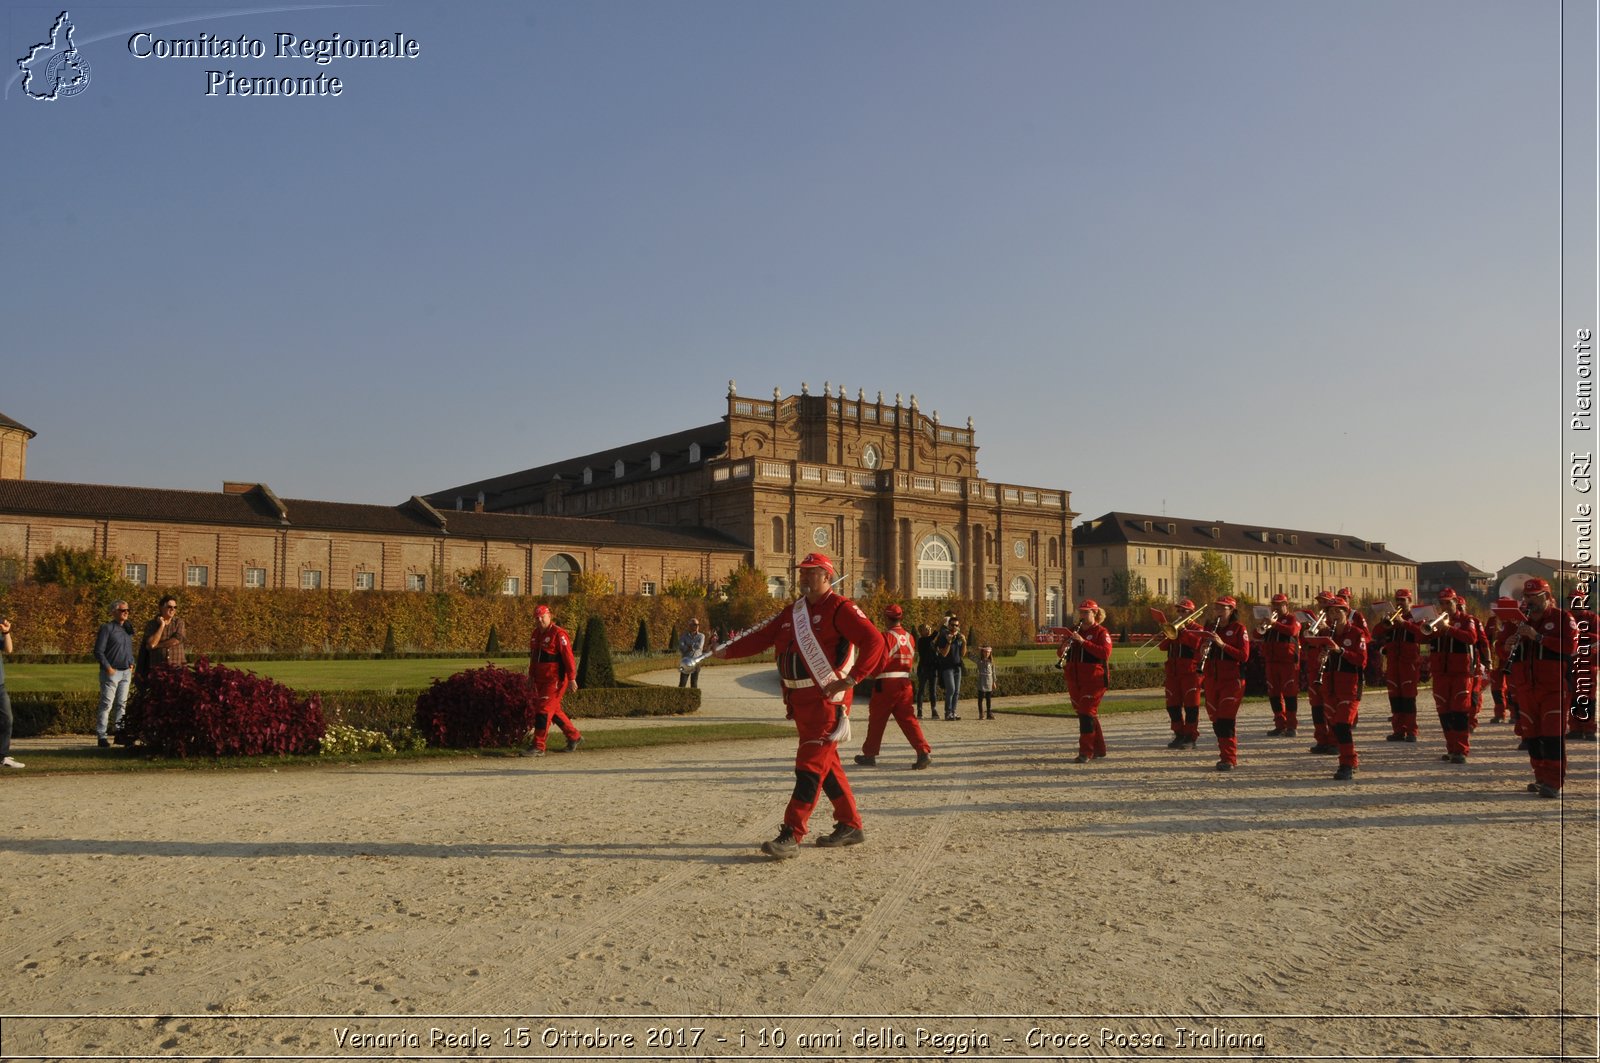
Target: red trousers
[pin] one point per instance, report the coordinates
(816, 764)
(1452, 697)
(893, 697)
(547, 691)
(1343, 691)
(1542, 701)
(1283, 692)
(1086, 703)
(1222, 709)
(1183, 692)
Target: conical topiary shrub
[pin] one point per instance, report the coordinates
(596, 669)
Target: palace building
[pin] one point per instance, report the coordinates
(888, 491)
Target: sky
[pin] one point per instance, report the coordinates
(1308, 265)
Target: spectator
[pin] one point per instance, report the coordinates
(953, 651)
(6, 760)
(163, 639)
(113, 649)
(927, 670)
(986, 681)
(691, 643)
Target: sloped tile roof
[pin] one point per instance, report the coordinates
(258, 509)
(1187, 533)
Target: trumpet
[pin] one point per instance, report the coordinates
(1317, 622)
(1170, 631)
(1432, 626)
(1394, 617)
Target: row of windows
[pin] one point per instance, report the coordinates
(1248, 563)
(558, 573)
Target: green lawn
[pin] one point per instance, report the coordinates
(1046, 655)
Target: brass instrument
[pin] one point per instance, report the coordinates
(1432, 626)
(1317, 622)
(1170, 631)
(1395, 616)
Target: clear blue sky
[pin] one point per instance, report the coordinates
(1288, 263)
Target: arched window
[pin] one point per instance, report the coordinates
(777, 586)
(1022, 593)
(1055, 559)
(558, 573)
(779, 546)
(1052, 607)
(936, 568)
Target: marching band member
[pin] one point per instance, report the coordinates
(551, 670)
(1312, 655)
(1452, 663)
(1223, 654)
(1280, 648)
(1400, 642)
(1581, 722)
(824, 645)
(1346, 645)
(1539, 675)
(1502, 631)
(1084, 651)
(892, 694)
(1182, 681)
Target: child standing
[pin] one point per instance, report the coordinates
(986, 682)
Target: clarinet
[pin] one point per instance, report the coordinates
(1205, 651)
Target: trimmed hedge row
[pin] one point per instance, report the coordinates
(73, 712)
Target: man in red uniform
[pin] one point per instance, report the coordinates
(824, 645)
(1280, 651)
(1312, 654)
(1225, 649)
(1182, 680)
(1582, 675)
(1400, 642)
(892, 694)
(1084, 651)
(1453, 662)
(1544, 645)
(1346, 643)
(551, 670)
(1502, 632)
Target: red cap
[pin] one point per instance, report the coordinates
(1536, 586)
(893, 612)
(817, 561)
(1449, 594)
(1339, 601)
(1276, 598)
(1325, 596)
(1228, 601)
(1088, 603)
(1186, 605)
(541, 610)
(1403, 593)
(1345, 593)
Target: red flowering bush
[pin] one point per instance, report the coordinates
(478, 708)
(210, 710)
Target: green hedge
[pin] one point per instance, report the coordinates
(73, 712)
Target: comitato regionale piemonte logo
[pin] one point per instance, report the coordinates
(55, 69)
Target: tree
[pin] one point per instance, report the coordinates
(1127, 588)
(71, 567)
(641, 642)
(492, 647)
(1208, 577)
(596, 669)
(485, 581)
(746, 598)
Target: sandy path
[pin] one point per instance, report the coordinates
(1426, 910)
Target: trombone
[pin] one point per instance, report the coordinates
(1170, 631)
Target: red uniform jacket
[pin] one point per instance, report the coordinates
(1402, 642)
(899, 651)
(854, 647)
(1457, 647)
(1351, 641)
(1084, 664)
(1224, 662)
(550, 662)
(1281, 643)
